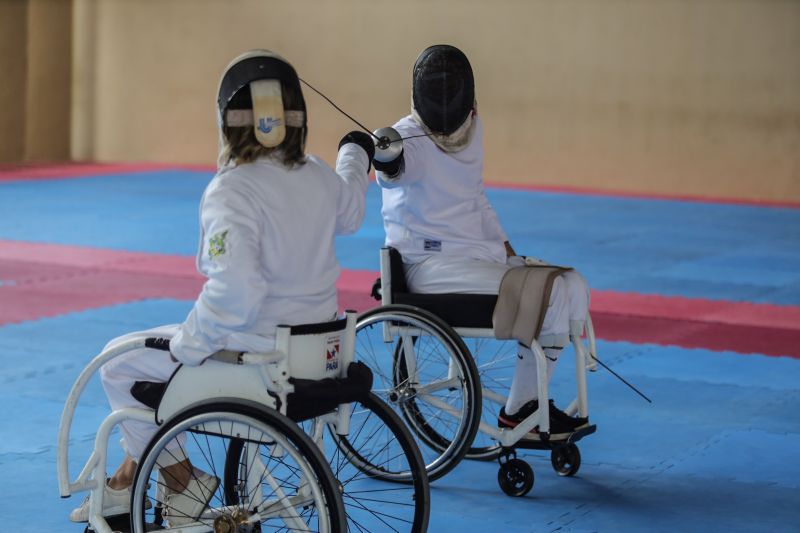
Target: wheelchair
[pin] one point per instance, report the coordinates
(295, 437)
(437, 362)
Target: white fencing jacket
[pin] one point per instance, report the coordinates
(267, 249)
(437, 205)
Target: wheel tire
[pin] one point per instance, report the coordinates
(566, 460)
(515, 477)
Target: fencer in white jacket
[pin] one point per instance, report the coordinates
(436, 214)
(268, 221)
(267, 251)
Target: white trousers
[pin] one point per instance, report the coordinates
(569, 297)
(569, 300)
(119, 375)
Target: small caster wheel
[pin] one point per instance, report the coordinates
(515, 477)
(566, 460)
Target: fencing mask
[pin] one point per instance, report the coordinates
(250, 94)
(443, 88)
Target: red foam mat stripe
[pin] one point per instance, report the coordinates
(590, 191)
(679, 308)
(85, 170)
(39, 280)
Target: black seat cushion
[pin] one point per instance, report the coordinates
(311, 398)
(457, 309)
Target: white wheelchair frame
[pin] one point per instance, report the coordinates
(261, 378)
(508, 438)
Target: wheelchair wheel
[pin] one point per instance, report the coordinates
(425, 373)
(496, 361)
(515, 477)
(281, 481)
(385, 486)
(566, 460)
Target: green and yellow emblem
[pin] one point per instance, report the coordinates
(216, 245)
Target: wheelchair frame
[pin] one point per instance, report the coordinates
(254, 381)
(509, 439)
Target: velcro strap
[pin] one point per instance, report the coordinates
(239, 118)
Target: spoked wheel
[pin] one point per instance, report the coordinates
(278, 480)
(566, 460)
(383, 478)
(424, 372)
(515, 477)
(495, 360)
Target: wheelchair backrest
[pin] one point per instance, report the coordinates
(393, 277)
(319, 351)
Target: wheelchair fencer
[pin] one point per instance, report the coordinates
(237, 416)
(437, 362)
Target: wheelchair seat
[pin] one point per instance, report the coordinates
(456, 309)
(226, 415)
(421, 344)
(311, 397)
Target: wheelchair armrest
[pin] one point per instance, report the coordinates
(223, 356)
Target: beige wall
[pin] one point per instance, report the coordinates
(672, 96)
(49, 64)
(13, 38)
(36, 64)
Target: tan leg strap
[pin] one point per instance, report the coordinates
(523, 300)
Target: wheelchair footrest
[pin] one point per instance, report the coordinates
(122, 524)
(525, 444)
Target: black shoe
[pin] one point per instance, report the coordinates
(559, 428)
(575, 422)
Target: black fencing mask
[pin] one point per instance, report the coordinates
(443, 88)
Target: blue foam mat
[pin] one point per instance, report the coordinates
(716, 451)
(671, 247)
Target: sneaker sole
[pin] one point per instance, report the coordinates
(119, 510)
(107, 513)
(553, 437)
(534, 435)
